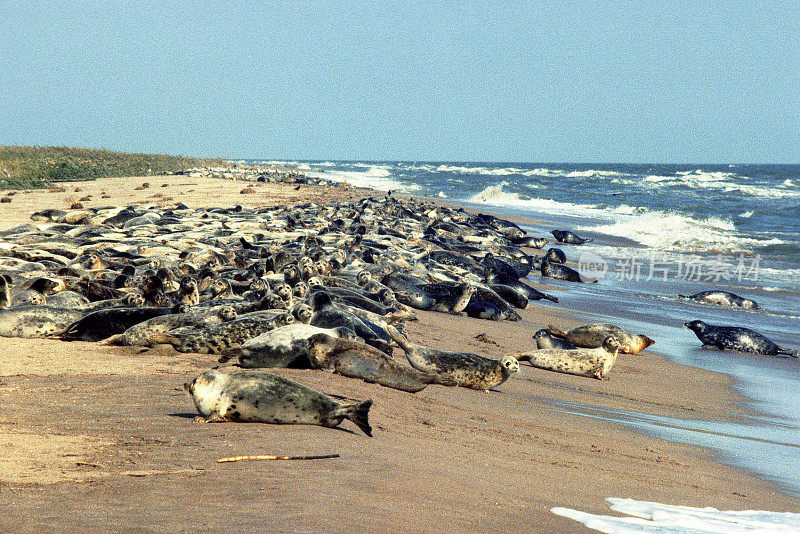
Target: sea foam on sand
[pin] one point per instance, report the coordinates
(656, 518)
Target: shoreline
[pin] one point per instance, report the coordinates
(512, 459)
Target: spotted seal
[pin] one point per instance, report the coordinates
(265, 398)
(722, 298)
(152, 331)
(545, 340)
(350, 358)
(565, 236)
(36, 321)
(592, 336)
(736, 338)
(594, 363)
(215, 339)
(285, 346)
(457, 368)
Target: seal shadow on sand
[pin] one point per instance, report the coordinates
(193, 415)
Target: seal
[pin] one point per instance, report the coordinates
(439, 297)
(556, 255)
(457, 368)
(359, 360)
(328, 315)
(152, 331)
(562, 272)
(512, 295)
(736, 338)
(722, 298)
(594, 363)
(265, 398)
(285, 346)
(5, 292)
(67, 299)
(592, 336)
(36, 321)
(102, 323)
(565, 236)
(215, 339)
(545, 340)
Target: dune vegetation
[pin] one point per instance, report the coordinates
(39, 166)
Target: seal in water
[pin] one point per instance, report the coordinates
(592, 336)
(565, 236)
(562, 272)
(545, 340)
(265, 398)
(358, 360)
(736, 338)
(36, 321)
(722, 298)
(457, 368)
(594, 363)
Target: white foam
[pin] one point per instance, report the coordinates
(746, 214)
(656, 518)
(441, 194)
(377, 177)
(505, 171)
(672, 231)
(722, 181)
(495, 195)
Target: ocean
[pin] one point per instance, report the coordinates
(659, 231)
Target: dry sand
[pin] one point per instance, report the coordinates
(103, 439)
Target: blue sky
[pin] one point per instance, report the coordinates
(455, 81)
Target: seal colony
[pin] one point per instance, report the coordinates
(323, 286)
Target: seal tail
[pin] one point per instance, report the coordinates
(556, 332)
(357, 413)
(788, 352)
(550, 297)
(396, 336)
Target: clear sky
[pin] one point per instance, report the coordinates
(624, 81)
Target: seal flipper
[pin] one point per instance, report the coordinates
(116, 339)
(788, 352)
(357, 413)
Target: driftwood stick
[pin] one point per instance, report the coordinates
(266, 457)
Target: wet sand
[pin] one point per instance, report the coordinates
(103, 439)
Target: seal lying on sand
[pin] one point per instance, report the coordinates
(286, 346)
(36, 321)
(457, 368)
(722, 298)
(592, 336)
(594, 363)
(545, 340)
(736, 338)
(358, 360)
(261, 397)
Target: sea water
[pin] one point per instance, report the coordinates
(659, 231)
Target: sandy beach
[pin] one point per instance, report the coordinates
(103, 439)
